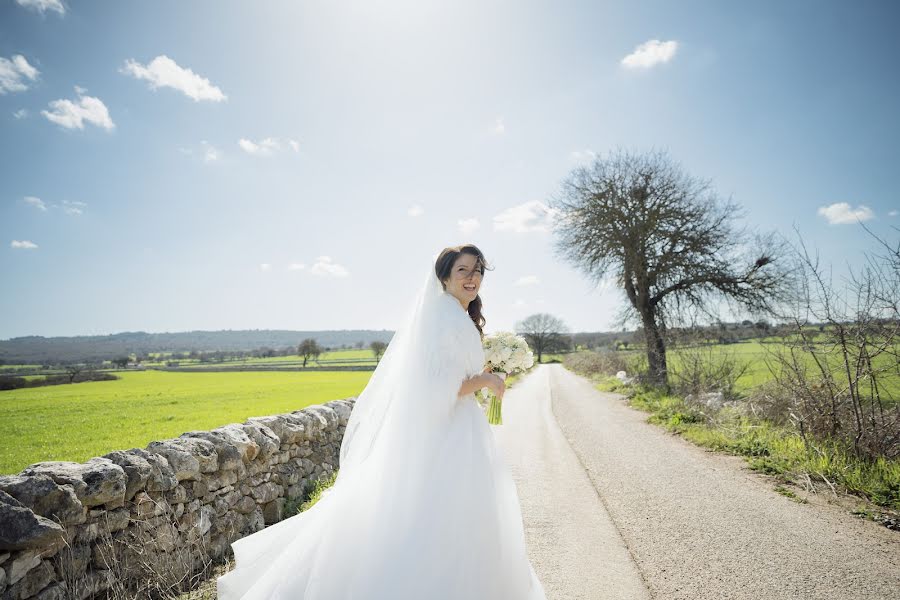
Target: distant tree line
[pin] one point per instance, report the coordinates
(40, 350)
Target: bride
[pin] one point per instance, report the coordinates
(423, 507)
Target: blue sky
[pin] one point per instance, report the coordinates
(172, 166)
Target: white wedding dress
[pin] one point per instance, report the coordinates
(423, 508)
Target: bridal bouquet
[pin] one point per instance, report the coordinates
(505, 353)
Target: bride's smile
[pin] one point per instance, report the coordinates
(465, 278)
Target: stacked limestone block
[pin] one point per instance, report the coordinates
(76, 530)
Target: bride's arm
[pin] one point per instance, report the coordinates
(482, 380)
(473, 383)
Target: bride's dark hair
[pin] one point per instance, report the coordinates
(444, 264)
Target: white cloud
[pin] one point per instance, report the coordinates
(840, 213)
(650, 54)
(892, 213)
(499, 128)
(467, 226)
(210, 152)
(36, 202)
(518, 303)
(415, 211)
(21, 113)
(15, 74)
(326, 267)
(267, 146)
(73, 208)
(583, 156)
(70, 207)
(265, 267)
(528, 280)
(72, 115)
(42, 6)
(262, 148)
(296, 267)
(530, 216)
(23, 244)
(162, 71)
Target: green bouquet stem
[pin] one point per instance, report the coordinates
(494, 412)
(495, 408)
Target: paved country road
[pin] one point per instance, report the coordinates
(617, 508)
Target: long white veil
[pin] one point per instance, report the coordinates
(423, 505)
(414, 386)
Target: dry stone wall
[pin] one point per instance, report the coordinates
(132, 522)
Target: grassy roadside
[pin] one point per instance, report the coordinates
(779, 451)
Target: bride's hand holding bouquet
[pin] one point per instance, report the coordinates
(505, 353)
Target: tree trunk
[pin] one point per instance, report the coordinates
(656, 351)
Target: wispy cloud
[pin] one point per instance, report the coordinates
(21, 113)
(415, 211)
(499, 128)
(262, 148)
(15, 74)
(267, 146)
(162, 71)
(210, 152)
(296, 267)
(73, 115)
(530, 216)
(73, 207)
(265, 267)
(42, 6)
(325, 267)
(841, 213)
(892, 213)
(36, 202)
(469, 225)
(24, 244)
(649, 54)
(528, 280)
(70, 207)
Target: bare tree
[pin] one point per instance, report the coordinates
(120, 362)
(74, 371)
(834, 371)
(378, 349)
(544, 332)
(668, 239)
(307, 348)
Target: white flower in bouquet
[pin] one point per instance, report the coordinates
(507, 353)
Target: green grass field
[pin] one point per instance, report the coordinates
(77, 422)
(335, 357)
(83, 420)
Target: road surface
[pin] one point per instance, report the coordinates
(617, 508)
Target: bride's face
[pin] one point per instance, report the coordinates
(465, 279)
